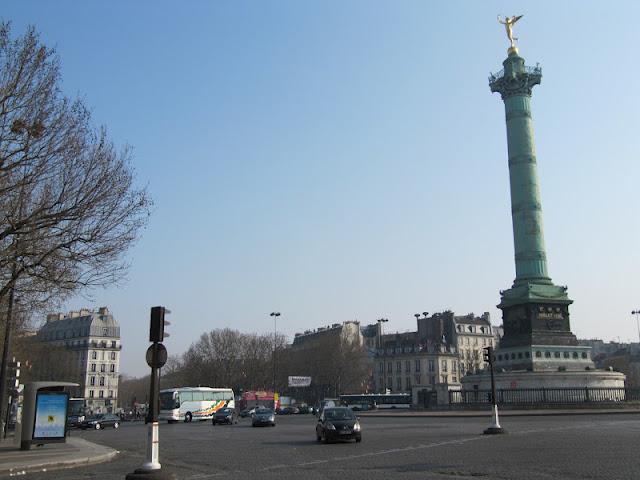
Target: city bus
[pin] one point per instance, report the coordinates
(77, 412)
(370, 401)
(193, 403)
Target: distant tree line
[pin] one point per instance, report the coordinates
(245, 361)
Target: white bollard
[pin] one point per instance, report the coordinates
(153, 447)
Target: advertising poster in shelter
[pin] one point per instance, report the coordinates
(51, 415)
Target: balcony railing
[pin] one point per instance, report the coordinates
(537, 70)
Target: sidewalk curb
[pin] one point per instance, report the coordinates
(503, 413)
(92, 454)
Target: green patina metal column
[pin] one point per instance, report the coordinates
(515, 83)
(535, 311)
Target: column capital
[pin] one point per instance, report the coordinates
(515, 78)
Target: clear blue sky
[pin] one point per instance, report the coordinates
(340, 160)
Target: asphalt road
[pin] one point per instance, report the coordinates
(549, 447)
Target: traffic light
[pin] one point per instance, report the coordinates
(488, 355)
(158, 322)
(14, 376)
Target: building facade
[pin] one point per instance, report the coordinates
(93, 337)
(444, 348)
(348, 331)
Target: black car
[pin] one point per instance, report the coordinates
(263, 417)
(100, 421)
(225, 415)
(338, 423)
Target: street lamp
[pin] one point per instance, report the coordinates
(275, 316)
(637, 313)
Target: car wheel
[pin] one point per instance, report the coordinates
(324, 437)
(116, 425)
(358, 439)
(188, 417)
(98, 426)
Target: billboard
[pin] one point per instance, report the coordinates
(51, 415)
(299, 381)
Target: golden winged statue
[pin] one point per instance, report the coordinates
(508, 25)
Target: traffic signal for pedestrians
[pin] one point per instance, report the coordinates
(158, 324)
(488, 355)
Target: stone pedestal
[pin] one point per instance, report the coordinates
(539, 380)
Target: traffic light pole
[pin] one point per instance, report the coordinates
(495, 427)
(156, 357)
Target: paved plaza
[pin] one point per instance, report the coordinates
(588, 446)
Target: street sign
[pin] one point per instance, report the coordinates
(156, 355)
(299, 381)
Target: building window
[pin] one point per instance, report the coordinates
(538, 354)
(454, 367)
(444, 365)
(380, 384)
(519, 354)
(417, 378)
(103, 368)
(101, 394)
(110, 393)
(113, 344)
(565, 354)
(381, 367)
(389, 382)
(90, 393)
(417, 365)
(93, 367)
(575, 354)
(94, 355)
(556, 354)
(113, 355)
(389, 367)
(431, 366)
(92, 381)
(407, 366)
(584, 355)
(105, 331)
(408, 381)
(433, 380)
(398, 367)
(399, 383)
(527, 354)
(113, 368)
(102, 381)
(547, 354)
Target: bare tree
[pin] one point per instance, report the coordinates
(69, 209)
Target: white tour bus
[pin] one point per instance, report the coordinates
(193, 403)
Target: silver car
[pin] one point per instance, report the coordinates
(263, 417)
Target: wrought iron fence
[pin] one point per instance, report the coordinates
(546, 396)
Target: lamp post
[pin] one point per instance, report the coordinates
(381, 322)
(637, 314)
(275, 316)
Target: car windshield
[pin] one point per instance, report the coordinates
(224, 410)
(263, 411)
(339, 414)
